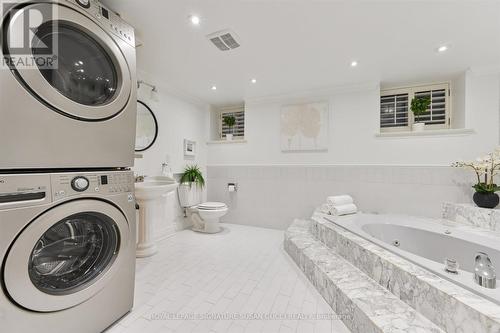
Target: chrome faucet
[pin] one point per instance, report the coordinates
(484, 272)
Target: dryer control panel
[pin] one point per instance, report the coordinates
(108, 19)
(65, 185)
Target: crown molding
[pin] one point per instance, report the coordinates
(484, 70)
(166, 88)
(313, 94)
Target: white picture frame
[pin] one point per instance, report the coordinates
(189, 148)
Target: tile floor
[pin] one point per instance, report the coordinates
(242, 273)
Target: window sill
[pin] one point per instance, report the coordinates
(427, 133)
(218, 142)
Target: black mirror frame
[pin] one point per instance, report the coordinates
(156, 127)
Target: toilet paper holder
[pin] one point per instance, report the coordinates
(232, 187)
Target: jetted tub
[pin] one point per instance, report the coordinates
(428, 242)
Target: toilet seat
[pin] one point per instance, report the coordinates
(212, 206)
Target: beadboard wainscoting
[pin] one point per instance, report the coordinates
(273, 196)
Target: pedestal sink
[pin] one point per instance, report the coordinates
(146, 193)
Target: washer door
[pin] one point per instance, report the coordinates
(66, 255)
(92, 79)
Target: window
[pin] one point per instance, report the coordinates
(395, 113)
(238, 129)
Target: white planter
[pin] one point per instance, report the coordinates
(229, 137)
(418, 127)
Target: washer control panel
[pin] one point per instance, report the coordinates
(108, 19)
(65, 185)
(80, 184)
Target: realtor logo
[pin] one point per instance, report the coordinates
(29, 36)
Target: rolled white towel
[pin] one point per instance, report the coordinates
(325, 209)
(344, 210)
(339, 200)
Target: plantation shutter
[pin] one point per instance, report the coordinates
(394, 110)
(238, 129)
(437, 109)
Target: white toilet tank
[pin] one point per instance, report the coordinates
(189, 195)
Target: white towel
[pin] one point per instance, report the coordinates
(344, 210)
(339, 200)
(325, 209)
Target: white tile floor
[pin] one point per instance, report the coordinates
(241, 271)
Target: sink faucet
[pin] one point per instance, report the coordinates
(484, 272)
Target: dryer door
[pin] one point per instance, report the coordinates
(79, 70)
(66, 255)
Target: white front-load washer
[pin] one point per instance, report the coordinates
(67, 250)
(68, 87)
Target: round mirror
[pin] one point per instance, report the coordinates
(147, 127)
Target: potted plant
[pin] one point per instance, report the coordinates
(486, 169)
(229, 121)
(192, 175)
(191, 184)
(419, 107)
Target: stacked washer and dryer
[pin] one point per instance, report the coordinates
(67, 209)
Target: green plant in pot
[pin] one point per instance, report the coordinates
(419, 107)
(191, 186)
(486, 169)
(192, 175)
(229, 121)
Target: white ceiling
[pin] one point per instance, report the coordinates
(301, 45)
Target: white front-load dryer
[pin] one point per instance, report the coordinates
(67, 250)
(68, 91)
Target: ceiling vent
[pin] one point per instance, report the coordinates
(224, 40)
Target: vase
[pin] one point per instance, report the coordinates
(418, 127)
(486, 200)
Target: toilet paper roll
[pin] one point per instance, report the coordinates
(231, 188)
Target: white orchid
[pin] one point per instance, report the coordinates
(488, 167)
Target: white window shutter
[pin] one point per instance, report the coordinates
(238, 129)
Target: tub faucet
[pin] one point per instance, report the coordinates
(484, 272)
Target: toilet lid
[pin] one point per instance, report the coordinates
(212, 205)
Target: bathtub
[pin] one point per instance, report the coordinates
(427, 243)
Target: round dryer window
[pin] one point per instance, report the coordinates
(79, 70)
(85, 72)
(71, 252)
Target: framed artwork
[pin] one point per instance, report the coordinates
(189, 148)
(304, 127)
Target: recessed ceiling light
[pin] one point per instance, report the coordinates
(214, 87)
(253, 80)
(194, 19)
(354, 64)
(442, 48)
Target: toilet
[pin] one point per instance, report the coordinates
(204, 216)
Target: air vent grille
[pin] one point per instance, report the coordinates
(224, 40)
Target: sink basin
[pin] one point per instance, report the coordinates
(154, 187)
(147, 194)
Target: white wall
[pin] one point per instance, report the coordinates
(354, 121)
(178, 119)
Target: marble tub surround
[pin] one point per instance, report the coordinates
(470, 214)
(449, 306)
(364, 305)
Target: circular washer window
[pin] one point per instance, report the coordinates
(73, 252)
